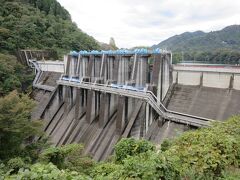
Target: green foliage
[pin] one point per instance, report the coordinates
(209, 151)
(57, 155)
(147, 165)
(131, 147)
(45, 171)
(166, 144)
(15, 164)
(231, 174)
(13, 75)
(16, 127)
(150, 165)
(222, 56)
(107, 170)
(40, 24)
(206, 153)
(51, 7)
(68, 157)
(213, 47)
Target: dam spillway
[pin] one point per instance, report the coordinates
(101, 97)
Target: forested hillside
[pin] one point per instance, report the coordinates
(227, 38)
(34, 24)
(216, 47)
(40, 24)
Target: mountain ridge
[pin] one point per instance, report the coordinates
(226, 38)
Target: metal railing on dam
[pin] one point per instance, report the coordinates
(147, 96)
(34, 65)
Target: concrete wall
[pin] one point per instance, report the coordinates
(187, 78)
(53, 66)
(236, 83)
(216, 80)
(208, 77)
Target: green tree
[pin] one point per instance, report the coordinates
(16, 127)
(13, 75)
(131, 147)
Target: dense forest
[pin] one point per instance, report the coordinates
(40, 24)
(220, 47)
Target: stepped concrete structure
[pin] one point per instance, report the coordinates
(97, 98)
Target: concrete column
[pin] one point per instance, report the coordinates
(123, 74)
(90, 66)
(104, 110)
(67, 102)
(78, 101)
(68, 65)
(142, 116)
(96, 68)
(177, 78)
(134, 68)
(201, 80)
(169, 61)
(74, 66)
(231, 81)
(141, 77)
(90, 106)
(110, 67)
(163, 77)
(78, 65)
(156, 69)
(85, 61)
(60, 94)
(116, 67)
(102, 66)
(120, 115)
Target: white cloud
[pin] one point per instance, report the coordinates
(147, 22)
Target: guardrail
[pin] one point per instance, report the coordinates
(148, 96)
(34, 65)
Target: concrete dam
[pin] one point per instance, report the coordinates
(98, 97)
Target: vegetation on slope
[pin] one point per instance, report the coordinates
(227, 38)
(13, 75)
(214, 47)
(208, 153)
(214, 57)
(16, 127)
(40, 24)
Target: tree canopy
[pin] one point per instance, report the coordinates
(13, 75)
(41, 25)
(16, 127)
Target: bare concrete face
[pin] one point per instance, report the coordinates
(214, 103)
(100, 119)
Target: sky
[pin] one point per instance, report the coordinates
(148, 22)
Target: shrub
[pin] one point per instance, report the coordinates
(46, 171)
(68, 157)
(15, 164)
(131, 147)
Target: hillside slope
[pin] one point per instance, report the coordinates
(227, 38)
(40, 24)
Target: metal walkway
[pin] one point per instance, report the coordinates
(148, 96)
(34, 65)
